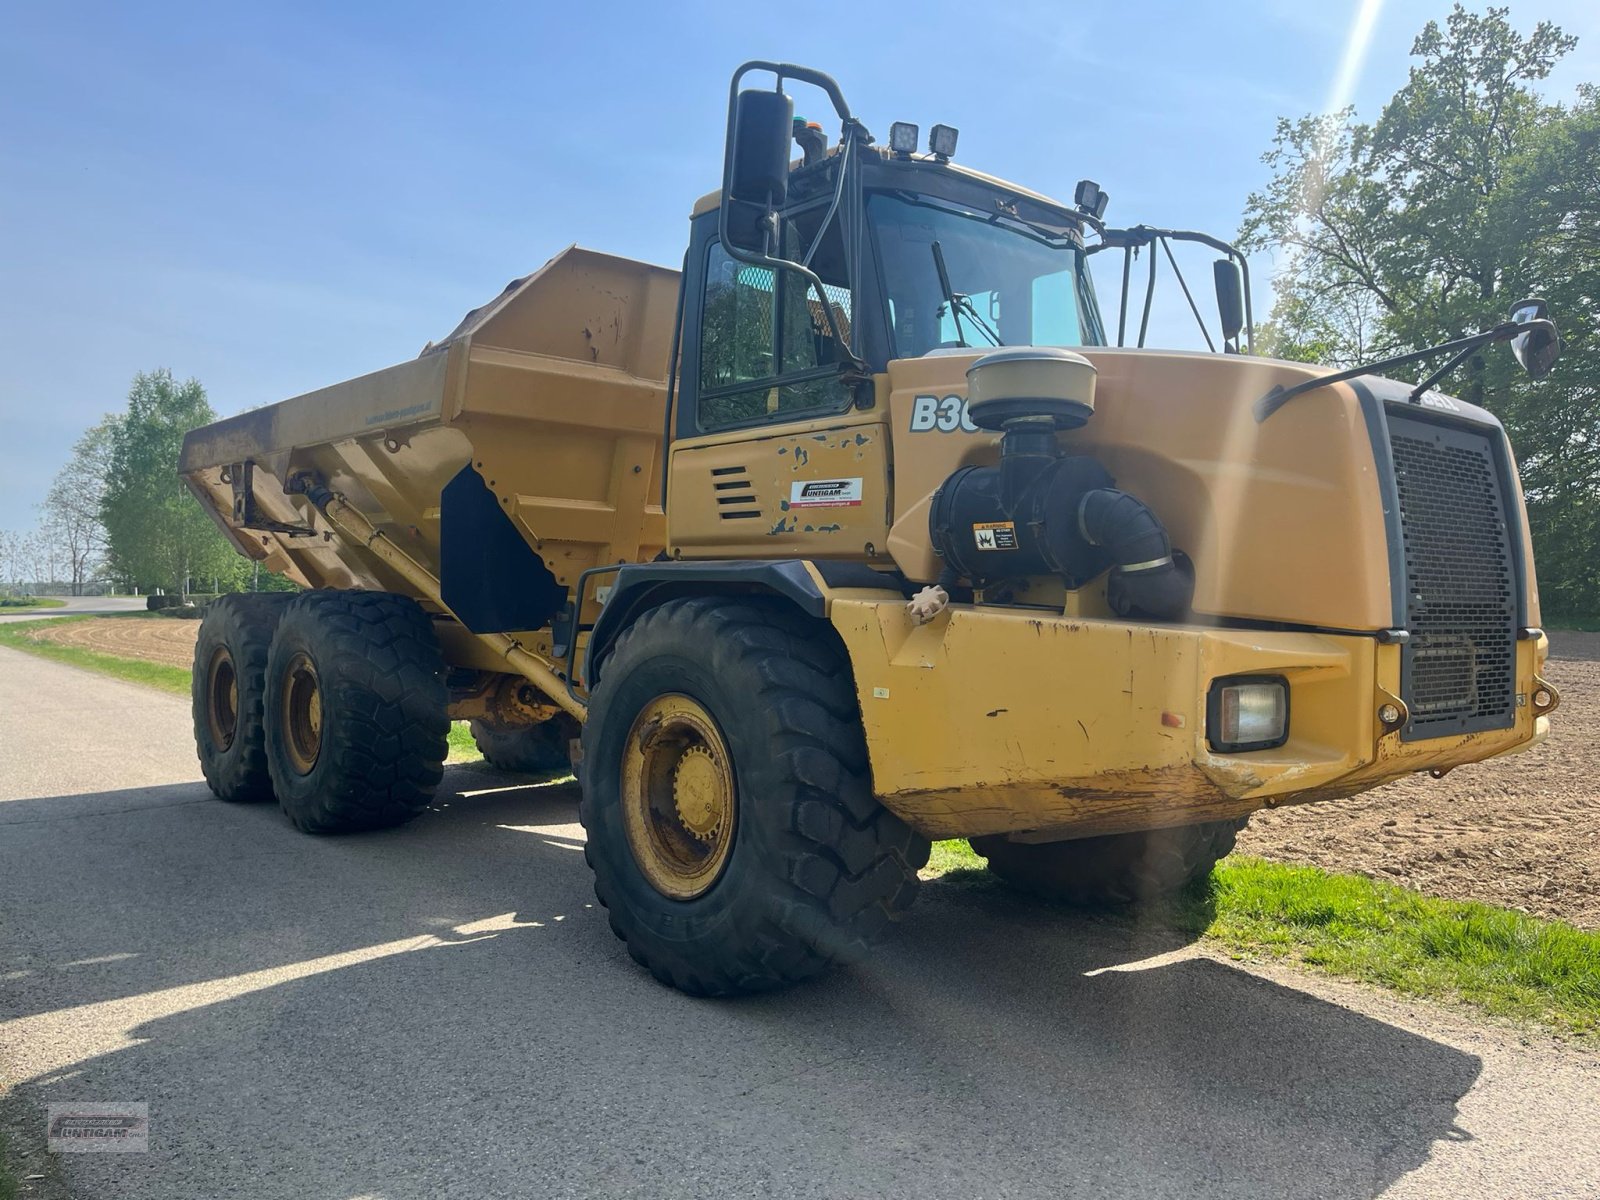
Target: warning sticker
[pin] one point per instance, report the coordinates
(995, 535)
(825, 493)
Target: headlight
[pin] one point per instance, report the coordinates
(1247, 713)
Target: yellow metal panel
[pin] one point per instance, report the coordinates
(1284, 520)
(554, 391)
(820, 489)
(1007, 721)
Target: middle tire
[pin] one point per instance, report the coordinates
(727, 796)
(538, 750)
(356, 711)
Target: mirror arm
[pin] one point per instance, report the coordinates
(1450, 364)
(790, 71)
(852, 131)
(1122, 313)
(1137, 236)
(1461, 348)
(1249, 312)
(1149, 300)
(1193, 307)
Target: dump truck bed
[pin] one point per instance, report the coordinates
(541, 413)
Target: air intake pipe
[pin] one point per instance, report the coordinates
(1041, 512)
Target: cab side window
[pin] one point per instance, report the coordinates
(767, 351)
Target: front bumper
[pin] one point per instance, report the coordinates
(1000, 720)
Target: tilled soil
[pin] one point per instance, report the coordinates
(1521, 831)
(152, 639)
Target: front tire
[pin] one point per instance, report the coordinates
(356, 711)
(1117, 869)
(228, 693)
(727, 796)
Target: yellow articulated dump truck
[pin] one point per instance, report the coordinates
(856, 533)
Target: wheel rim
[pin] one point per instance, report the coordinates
(222, 698)
(302, 714)
(679, 802)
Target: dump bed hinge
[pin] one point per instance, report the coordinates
(245, 513)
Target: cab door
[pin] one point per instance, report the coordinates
(773, 455)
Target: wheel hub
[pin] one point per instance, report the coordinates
(302, 714)
(679, 801)
(699, 793)
(222, 698)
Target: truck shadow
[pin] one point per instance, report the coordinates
(442, 1009)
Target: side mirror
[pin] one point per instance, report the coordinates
(1539, 345)
(757, 177)
(1230, 299)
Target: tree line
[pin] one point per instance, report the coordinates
(118, 517)
(1469, 192)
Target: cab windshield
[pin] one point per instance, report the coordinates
(1016, 284)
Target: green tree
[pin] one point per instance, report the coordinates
(157, 534)
(1468, 193)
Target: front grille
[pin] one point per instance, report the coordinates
(1458, 670)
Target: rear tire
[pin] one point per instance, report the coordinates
(538, 750)
(765, 855)
(228, 690)
(355, 703)
(1118, 869)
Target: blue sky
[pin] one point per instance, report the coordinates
(274, 197)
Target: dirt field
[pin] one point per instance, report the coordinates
(154, 639)
(1522, 831)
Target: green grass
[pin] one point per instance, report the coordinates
(462, 748)
(23, 635)
(1503, 962)
(955, 862)
(22, 604)
(1496, 960)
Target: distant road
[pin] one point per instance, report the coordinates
(82, 606)
(441, 1011)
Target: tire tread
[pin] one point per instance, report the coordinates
(852, 864)
(379, 665)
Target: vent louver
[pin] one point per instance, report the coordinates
(736, 496)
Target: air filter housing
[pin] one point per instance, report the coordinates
(1031, 381)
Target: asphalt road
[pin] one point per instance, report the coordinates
(82, 606)
(441, 1011)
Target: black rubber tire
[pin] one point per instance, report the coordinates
(384, 723)
(1118, 869)
(818, 868)
(537, 750)
(241, 625)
